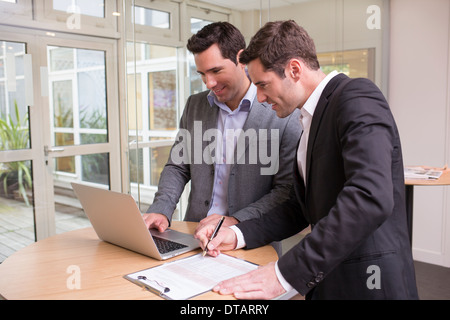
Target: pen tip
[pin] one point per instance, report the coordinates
(204, 253)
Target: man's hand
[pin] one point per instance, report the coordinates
(214, 219)
(261, 283)
(224, 240)
(156, 221)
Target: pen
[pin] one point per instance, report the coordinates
(214, 234)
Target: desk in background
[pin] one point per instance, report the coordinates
(443, 180)
(45, 269)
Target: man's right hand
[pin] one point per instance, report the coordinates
(156, 221)
(225, 239)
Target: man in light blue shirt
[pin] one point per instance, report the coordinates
(235, 151)
(229, 122)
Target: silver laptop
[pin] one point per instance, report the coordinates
(117, 219)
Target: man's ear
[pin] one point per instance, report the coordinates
(294, 69)
(238, 55)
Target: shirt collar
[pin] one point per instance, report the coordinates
(310, 105)
(246, 102)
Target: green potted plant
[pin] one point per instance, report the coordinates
(14, 136)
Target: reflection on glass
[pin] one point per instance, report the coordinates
(89, 168)
(62, 104)
(195, 80)
(65, 164)
(152, 110)
(16, 210)
(136, 165)
(95, 168)
(197, 24)
(95, 8)
(353, 63)
(151, 17)
(158, 160)
(162, 96)
(77, 79)
(16, 181)
(14, 121)
(61, 59)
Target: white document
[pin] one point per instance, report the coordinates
(185, 278)
(422, 173)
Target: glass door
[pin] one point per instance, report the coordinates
(16, 165)
(59, 123)
(82, 125)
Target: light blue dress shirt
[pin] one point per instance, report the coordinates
(228, 124)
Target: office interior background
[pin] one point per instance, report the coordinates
(92, 91)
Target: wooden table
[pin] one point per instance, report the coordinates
(45, 269)
(443, 180)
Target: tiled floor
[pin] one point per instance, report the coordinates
(17, 224)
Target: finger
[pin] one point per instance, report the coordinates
(204, 234)
(211, 219)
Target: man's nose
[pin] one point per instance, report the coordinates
(210, 81)
(260, 96)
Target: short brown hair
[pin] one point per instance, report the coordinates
(278, 42)
(229, 39)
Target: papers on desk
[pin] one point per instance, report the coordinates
(185, 278)
(422, 173)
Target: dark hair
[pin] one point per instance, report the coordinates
(278, 42)
(229, 39)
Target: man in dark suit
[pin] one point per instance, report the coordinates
(253, 173)
(348, 183)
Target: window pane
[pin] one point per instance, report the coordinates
(162, 86)
(61, 59)
(95, 168)
(158, 160)
(92, 99)
(151, 18)
(63, 104)
(78, 96)
(89, 168)
(14, 121)
(95, 8)
(353, 63)
(195, 80)
(65, 164)
(197, 24)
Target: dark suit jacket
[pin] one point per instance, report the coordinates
(254, 187)
(354, 200)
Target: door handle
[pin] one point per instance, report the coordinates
(48, 150)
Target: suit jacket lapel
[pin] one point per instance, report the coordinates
(255, 118)
(317, 117)
(209, 122)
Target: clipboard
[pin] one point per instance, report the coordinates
(186, 278)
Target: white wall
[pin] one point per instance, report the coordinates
(419, 95)
(335, 25)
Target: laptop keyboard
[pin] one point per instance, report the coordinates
(165, 245)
